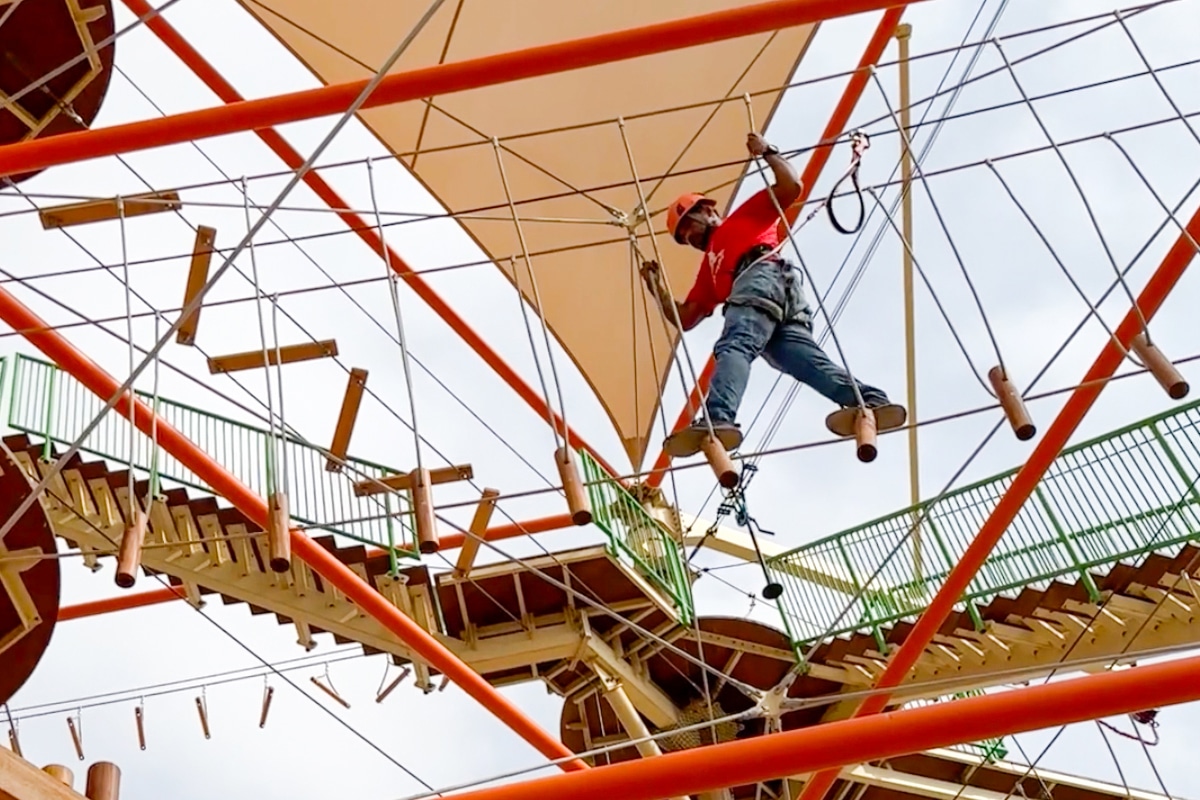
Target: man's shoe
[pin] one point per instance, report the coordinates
(686, 442)
(887, 417)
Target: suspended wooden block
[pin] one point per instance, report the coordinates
(202, 709)
(139, 716)
(404, 673)
(106, 209)
(1012, 403)
(577, 499)
(202, 250)
(60, 773)
(288, 355)
(268, 693)
(103, 781)
(478, 530)
(129, 555)
(865, 430)
(1160, 367)
(403, 481)
(76, 739)
(719, 460)
(423, 518)
(279, 534)
(345, 423)
(329, 691)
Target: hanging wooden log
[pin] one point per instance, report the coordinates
(577, 499)
(287, 355)
(404, 673)
(129, 555)
(329, 691)
(14, 743)
(107, 209)
(268, 693)
(279, 534)
(403, 481)
(1012, 403)
(202, 709)
(346, 418)
(423, 517)
(103, 781)
(76, 738)
(865, 433)
(202, 251)
(477, 530)
(719, 460)
(1160, 367)
(139, 715)
(60, 773)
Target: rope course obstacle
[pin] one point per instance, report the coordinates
(273, 457)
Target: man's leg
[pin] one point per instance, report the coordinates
(794, 351)
(747, 331)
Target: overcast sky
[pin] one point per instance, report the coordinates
(802, 495)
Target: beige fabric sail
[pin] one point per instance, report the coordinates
(565, 160)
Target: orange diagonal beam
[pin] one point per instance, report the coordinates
(812, 171)
(20, 318)
(1078, 404)
(213, 79)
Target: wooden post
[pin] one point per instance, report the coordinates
(719, 460)
(279, 534)
(130, 553)
(577, 499)
(1160, 367)
(202, 251)
(1013, 404)
(346, 419)
(865, 431)
(478, 530)
(103, 781)
(423, 518)
(60, 773)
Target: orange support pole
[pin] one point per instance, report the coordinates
(37, 332)
(1027, 478)
(855, 741)
(216, 83)
(812, 171)
(432, 81)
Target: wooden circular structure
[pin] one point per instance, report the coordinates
(37, 38)
(29, 589)
(754, 650)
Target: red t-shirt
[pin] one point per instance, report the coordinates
(754, 222)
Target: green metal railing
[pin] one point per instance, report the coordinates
(1115, 498)
(637, 539)
(49, 403)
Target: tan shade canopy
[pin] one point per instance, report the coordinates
(566, 160)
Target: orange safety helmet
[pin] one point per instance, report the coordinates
(684, 205)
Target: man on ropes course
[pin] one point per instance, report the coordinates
(766, 312)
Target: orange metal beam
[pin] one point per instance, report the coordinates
(33, 328)
(837, 744)
(426, 82)
(812, 171)
(1027, 478)
(224, 90)
(119, 602)
(449, 541)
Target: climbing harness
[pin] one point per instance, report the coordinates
(859, 144)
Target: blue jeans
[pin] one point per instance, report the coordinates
(767, 315)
